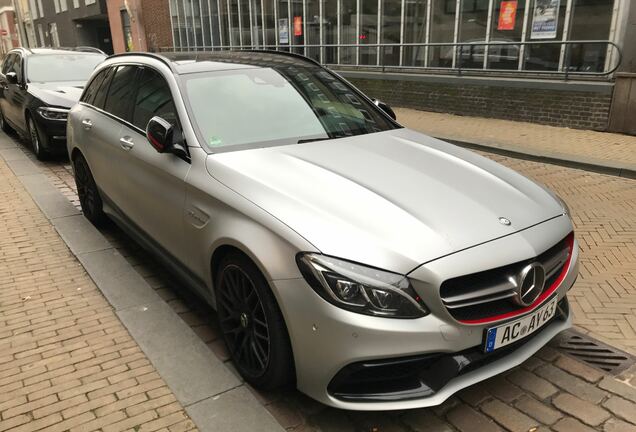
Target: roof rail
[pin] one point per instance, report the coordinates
(284, 53)
(145, 54)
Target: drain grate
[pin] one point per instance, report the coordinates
(593, 352)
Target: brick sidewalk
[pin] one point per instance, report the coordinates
(562, 143)
(66, 361)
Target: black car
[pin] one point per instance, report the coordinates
(38, 87)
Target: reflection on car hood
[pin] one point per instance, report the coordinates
(393, 199)
(63, 94)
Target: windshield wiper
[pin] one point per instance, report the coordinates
(306, 140)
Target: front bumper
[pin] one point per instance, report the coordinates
(52, 134)
(327, 340)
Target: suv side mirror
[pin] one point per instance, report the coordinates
(12, 77)
(160, 134)
(384, 107)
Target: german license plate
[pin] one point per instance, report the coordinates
(497, 337)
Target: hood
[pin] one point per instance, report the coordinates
(63, 94)
(393, 200)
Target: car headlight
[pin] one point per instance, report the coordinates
(48, 113)
(361, 289)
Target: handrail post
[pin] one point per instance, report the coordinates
(567, 60)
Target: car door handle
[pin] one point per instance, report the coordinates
(87, 124)
(126, 143)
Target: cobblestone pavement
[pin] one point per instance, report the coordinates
(548, 140)
(551, 391)
(66, 361)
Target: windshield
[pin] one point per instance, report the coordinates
(62, 67)
(286, 105)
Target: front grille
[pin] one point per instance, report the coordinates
(490, 293)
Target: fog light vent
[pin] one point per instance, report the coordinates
(593, 352)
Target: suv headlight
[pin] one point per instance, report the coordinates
(49, 113)
(361, 289)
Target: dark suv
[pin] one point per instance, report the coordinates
(38, 87)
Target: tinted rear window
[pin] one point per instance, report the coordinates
(121, 92)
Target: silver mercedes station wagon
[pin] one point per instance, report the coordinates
(369, 265)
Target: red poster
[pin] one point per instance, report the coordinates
(298, 26)
(507, 15)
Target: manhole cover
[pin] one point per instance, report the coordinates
(593, 352)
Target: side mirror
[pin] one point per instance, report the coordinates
(159, 133)
(384, 107)
(12, 77)
(161, 136)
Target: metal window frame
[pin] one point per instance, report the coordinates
(229, 24)
(338, 23)
(240, 22)
(289, 26)
(358, 18)
(564, 51)
(614, 33)
(304, 17)
(185, 20)
(277, 35)
(429, 27)
(249, 11)
(524, 35)
(263, 23)
(321, 11)
(220, 19)
(378, 32)
(458, 17)
(174, 42)
(402, 24)
(491, 7)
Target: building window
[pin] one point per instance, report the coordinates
(89, 2)
(76, 4)
(41, 42)
(63, 5)
(55, 38)
(446, 35)
(34, 10)
(41, 13)
(56, 3)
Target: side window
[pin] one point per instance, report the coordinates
(8, 63)
(153, 99)
(102, 91)
(17, 67)
(121, 91)
(93, 86)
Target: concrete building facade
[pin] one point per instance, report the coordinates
(71, 23)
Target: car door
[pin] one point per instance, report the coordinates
(98, 130)
(154, 182)
(4, 85)
(14, 94)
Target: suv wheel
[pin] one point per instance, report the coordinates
(36, 142)
(252, 324)
(91, 202)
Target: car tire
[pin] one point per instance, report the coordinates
(36, 140)
(4, 125)
(252, 325)
(87, 191)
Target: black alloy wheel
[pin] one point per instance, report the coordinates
(251, 324)
(36, 142)
(87, 191)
